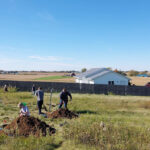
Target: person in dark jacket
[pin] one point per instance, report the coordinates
(40, 97)
(5, 88)
(64, 98)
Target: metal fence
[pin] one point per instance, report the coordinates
(80, 88)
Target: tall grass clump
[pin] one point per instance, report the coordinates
(108, 136)
(145, 104)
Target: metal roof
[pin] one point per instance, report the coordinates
(90, 72)
(97, 72)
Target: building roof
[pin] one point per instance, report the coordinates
(97, 72)
(142, 75)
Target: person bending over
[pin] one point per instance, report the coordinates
(64, 98)
(24, 111)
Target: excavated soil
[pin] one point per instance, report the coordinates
(25, 126)
(62, 113)
(2, 132)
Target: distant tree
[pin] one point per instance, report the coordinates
(143, 72)
(148, 73)
(83, 70)
(120, 72)
(116, 70)
(109, 68)
(133, 73)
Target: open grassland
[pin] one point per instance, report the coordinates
(105, 123)
(38, 76)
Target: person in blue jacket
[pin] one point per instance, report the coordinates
(64, 98)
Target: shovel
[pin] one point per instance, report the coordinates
(44, 107)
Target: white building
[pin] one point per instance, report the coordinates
(102, 76)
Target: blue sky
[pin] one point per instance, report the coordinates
(73, 34)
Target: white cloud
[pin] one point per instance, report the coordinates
(49, 58)
(7, 61)
(16, 64)
(13, 49)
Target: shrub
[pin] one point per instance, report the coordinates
(83, 70)
(133, 73)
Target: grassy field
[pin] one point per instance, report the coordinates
(53, 78)
(105, 123)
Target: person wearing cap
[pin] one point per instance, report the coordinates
(24, 111)
(64, 98)
(40, 97)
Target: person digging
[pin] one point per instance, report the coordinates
(64, 98)
(40, 97)
(24, 111)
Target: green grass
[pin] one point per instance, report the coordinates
(30, 143)
(106, 122)
(53, 78)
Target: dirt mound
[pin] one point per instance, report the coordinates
(62, 113)
(2, 132)
(25, 126)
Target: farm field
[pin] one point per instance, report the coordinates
(105, 123)
(59, 77)
(38, 76)
(141, 81)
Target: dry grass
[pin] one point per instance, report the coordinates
(139, 81)
(145, 104)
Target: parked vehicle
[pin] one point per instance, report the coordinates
(147, 84)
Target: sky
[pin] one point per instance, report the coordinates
(54, 35)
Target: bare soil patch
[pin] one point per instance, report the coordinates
(25, 126)
(2, 132)
(62, 113)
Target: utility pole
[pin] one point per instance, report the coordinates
(50, 104)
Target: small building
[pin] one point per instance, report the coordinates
(102, 76)
(142, 75)
(72, 74)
